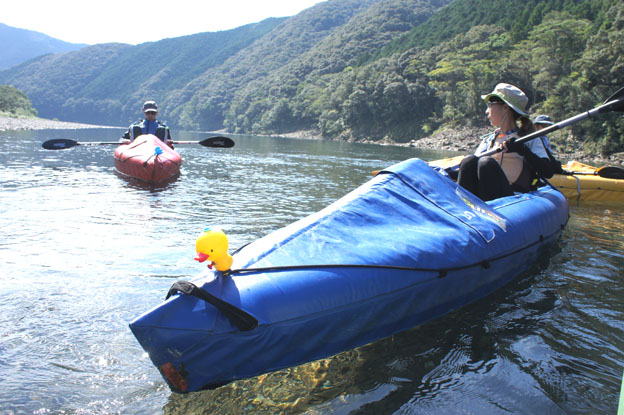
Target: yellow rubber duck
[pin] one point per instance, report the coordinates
(212, 245)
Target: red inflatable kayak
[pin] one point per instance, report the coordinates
(148, 159)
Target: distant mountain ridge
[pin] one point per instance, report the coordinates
(195, 78)
(20, 45)
(107, 83)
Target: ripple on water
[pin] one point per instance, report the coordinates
(84, 251)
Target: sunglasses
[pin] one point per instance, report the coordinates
(490, 103)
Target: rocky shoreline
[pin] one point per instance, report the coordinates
(470, 139)
(16, 124)
(463, 140)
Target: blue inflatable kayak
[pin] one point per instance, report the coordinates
(404, 248)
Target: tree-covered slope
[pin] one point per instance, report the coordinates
(107, 83)
(15, 103)
(260, 106)
(55, 82)
(517, 17)
(204, 102)
(566, 64)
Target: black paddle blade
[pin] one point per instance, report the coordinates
(220, 142)
(617, 101)
(59, 144)
(610, 172)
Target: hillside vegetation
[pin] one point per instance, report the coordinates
(15, 103)
(354, 70)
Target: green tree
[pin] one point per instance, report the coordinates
(472, 64)
(15, 103)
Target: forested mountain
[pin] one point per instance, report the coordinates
(107, 83)
(204, 102)
(353, 69)
(19, 45)
(291, 97)
(15, 103)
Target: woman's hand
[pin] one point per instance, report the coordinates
(510, 146)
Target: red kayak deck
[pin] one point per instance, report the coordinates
(141, 159)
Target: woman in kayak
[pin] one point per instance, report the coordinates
(515, 168)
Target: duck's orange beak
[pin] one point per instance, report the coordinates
(201, 257)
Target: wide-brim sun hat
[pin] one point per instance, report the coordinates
(510, 95)
(543, 119)
(150, 106)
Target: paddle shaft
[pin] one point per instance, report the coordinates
(97, 143)
(64, 143)
(609, 106)
(614, 103)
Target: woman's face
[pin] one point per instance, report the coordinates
(495, 112)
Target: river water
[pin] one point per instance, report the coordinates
(83, 251)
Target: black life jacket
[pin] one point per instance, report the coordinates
(141, 128)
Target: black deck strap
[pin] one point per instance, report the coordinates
(442, 272)
(240, 318)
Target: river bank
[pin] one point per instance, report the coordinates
(11, 123)
(463, 140)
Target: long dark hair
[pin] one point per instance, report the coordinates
(526, 125)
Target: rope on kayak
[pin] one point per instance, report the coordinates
(148, 159)
(442, 272)
(123, 160)
(578, 187)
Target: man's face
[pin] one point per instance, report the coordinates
(150, 115)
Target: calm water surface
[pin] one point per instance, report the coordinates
(83, 251)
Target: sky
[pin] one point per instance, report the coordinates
(134, 22)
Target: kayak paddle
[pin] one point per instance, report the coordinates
(608, 172)
(63, 143)
(614, 103)
(215, 142)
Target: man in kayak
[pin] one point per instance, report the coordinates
(150, 125)
(541, 122)
(515, 168)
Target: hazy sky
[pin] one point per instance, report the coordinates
(131, 21)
